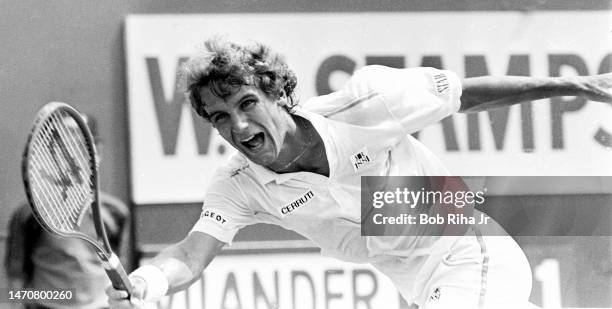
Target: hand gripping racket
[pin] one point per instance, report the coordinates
(60, 173)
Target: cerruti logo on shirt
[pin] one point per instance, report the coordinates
(299, 202)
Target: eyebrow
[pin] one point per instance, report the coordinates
(248, 95)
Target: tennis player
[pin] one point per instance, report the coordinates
(300, 166)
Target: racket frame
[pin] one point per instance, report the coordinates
(110, 261)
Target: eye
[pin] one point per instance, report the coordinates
(247, 103)
(218, 118)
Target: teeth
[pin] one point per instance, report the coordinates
(247, 139)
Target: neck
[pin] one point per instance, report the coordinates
(301, 149)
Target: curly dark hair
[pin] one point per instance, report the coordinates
(226, 66)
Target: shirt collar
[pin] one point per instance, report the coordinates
(265, 175)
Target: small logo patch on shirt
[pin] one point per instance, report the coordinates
(435, 295)
(360, 159)
(211, 215)
(299, 202)
(441, 83)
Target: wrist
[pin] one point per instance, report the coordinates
(156, 283)
(571, 86)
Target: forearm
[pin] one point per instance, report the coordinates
(488, 92)
(180, 269)
(184, 262)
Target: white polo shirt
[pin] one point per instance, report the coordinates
(365, 129)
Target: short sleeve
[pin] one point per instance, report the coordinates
(414, 97)
(225, 210)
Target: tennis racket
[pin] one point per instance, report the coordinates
(60, 174)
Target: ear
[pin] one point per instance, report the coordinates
(282, 99)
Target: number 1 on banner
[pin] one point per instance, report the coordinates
(548, 273)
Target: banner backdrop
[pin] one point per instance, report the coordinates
(173, 153)
(287, 281)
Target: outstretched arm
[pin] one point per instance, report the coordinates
(489, 92)
(173, 269)
(184, 262)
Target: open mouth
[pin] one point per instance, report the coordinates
(254, 142)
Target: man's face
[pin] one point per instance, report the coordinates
(250, 121)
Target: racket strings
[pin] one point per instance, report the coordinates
(81, 154)
(52, 171)
(61, 215)
(61, 172)
(54, 175)
(46, 176)
(45, 173)
(68, 142)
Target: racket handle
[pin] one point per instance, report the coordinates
(117, 274)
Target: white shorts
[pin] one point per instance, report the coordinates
(477, 272)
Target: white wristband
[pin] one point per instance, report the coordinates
(155, 279)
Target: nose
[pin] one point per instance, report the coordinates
(239, 122)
